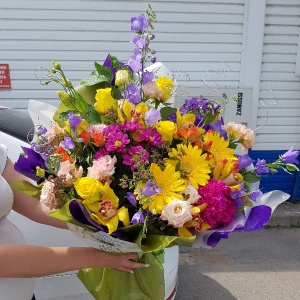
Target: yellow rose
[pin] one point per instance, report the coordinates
(167, 130)
(88, 188)
(104, 100)
(166, 86)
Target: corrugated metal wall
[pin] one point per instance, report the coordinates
(280, 122)
(191, 37)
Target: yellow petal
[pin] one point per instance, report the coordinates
(123, 216)
(182, 231)
(109, 194)
(112, 224)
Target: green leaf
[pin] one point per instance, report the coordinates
(27, 188)
(251, 177)
(116, 93)
(292, 167)
(114, 62)
(273, 165)
(166, 111)
(92, 116)
(104, 73)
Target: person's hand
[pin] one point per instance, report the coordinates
(121, 262)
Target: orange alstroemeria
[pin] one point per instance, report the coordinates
(63, 154)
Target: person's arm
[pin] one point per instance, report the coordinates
(28, 206)
(25, 261)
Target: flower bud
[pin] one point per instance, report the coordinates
(64, 97)
(56, 65)
(122, 78)
(66, 82)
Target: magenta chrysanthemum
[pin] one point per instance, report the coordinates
(221, 208)
(136, 154)
(131, 126)
(151, 136)
(111, 129)
(117, 142)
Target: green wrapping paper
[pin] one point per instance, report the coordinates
(143, 284)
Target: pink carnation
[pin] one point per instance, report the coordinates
(102, 168)
(47, 194)
(69, 171)
(221, 208)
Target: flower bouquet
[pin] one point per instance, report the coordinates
(129, 172)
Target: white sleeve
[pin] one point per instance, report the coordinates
(3, 157)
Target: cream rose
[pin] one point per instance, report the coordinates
(177, 212)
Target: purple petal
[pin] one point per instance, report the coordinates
(67, 143)
(80, 214)
(244, 161)
(74, 120)
(138, 217)
(131, 198)
(152, 116)
(139, 23)
(290, 156)
(258, 217)
(215, 237)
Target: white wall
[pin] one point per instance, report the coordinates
(193, 37)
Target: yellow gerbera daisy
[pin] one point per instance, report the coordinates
(192, 163)
(170, 184)
(219, 147)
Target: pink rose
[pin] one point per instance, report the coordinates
(102, 168)
(248, 139)
(47, 194)
(151, 90)
(177, 212)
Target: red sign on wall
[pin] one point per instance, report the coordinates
(4, 77)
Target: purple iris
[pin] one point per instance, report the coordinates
(151, 189)
(139, 23)
(140, 41)
(152, 116)
(244, 161)
(67, 143)
(138, 217)
(27, 164)
(135, 61)
(261, 167)
(133, 93)
(131, 198)
(290, 156)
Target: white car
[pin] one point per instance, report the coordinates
(14, 128)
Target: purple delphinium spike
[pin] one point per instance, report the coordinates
(139, 23)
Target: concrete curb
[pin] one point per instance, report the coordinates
(286, 215)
